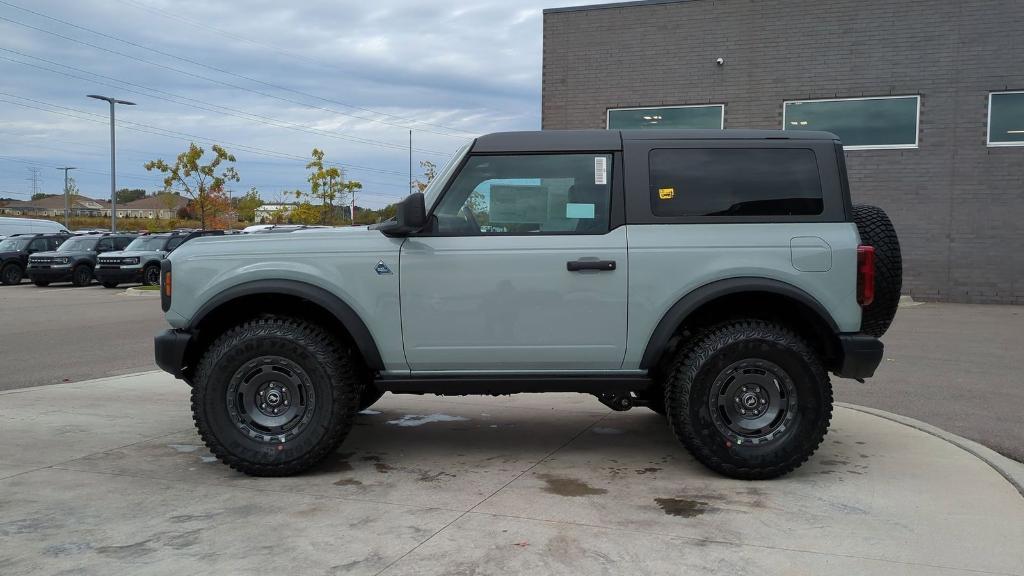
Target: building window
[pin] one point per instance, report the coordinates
(860, 123)
(1006, 119)
(735, 182)
(708, 117)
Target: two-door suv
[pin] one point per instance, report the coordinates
(74, 260)
(140, 260)
(716, 277)
(15, 250)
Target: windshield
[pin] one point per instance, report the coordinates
(147, 243)
(78, 244)
(13, 244)
(437, 184)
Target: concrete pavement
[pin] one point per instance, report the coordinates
(108, 476)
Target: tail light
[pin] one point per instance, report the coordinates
(865, 275)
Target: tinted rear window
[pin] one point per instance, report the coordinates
(735, 182)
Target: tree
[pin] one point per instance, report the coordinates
(219, 213)
(125, 195)
(247, 205)
(197, 179)
(72, 187)
(39, 196)
(429, 173)
(325, 184)
(304, 211)
(169, 200)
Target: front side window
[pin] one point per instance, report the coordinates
(1006, 119)
(38, 245)
(698, 117)
(528, 194)
(735, 182)
(105, 245)
(889, 122)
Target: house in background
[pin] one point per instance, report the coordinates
(161, 207)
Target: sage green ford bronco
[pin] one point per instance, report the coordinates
(716, 277)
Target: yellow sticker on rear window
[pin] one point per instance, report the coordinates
(666, 193)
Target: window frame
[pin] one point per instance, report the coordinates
(721, 108)
(988, 128)
(917, 120)
(616, 209)
(638, 200)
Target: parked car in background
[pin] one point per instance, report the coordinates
(75, 259)
(140, 260)
(15, 250)
(11, 226)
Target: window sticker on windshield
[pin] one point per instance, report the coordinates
(581, 211)
(666, 193)
(600, 170)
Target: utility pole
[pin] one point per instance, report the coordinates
(113, 176)
(67, 195)
(410, 161)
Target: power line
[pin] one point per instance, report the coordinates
(214, 68)
(199, 104)
(34, 179)
(155, 130)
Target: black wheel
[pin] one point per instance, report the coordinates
(877, 230)
(369, 397)
(81, 276)
(274, 396)
(151, 275)
(110, 284)
(11, 274)
(41, 283)
(749, 400)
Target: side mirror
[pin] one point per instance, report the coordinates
(411, 216)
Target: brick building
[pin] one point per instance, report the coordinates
(927, 95)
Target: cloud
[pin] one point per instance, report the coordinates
(269, 80)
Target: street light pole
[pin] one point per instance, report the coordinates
(67, 201)
(113, 173)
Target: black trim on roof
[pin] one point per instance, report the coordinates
(611, 140)
(587, 7)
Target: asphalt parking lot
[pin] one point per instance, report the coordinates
(954, 366)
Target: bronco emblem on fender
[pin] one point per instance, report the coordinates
(382, 268)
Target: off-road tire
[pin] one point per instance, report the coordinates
(331, 371)
(110, 284)
(151, 275)
(41, 283)
(81, 275)
(877, 230)
(369, 397)
(697, 368)
(11, 274)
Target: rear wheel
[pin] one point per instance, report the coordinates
(369, 397)
(41, 283)
(81, 276)
(274, 396)
(877, 230)
(151, 275)
(11, 274)
(749, 399)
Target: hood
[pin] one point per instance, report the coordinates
(299, 242)
(50, 254)
(128, 253)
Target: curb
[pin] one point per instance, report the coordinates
(138, 292)
(1009, 469)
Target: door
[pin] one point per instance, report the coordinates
(522, 268)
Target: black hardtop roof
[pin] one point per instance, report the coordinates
(604, 140)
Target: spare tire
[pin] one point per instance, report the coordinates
(877, 230)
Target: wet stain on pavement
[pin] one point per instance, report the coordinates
(649, 470)
(348, 482)
(127, 551)
(568, 486)
(682, 507)
(426, 476)
(382, 467)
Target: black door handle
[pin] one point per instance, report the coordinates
(577, 265)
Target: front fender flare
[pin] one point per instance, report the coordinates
(323, 298)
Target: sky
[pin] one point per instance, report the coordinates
(268, 80)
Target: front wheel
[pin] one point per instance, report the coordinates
(81, 276)
(749, 399)
(274, 396)
(151, 276)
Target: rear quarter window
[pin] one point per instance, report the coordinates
(729, 182)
